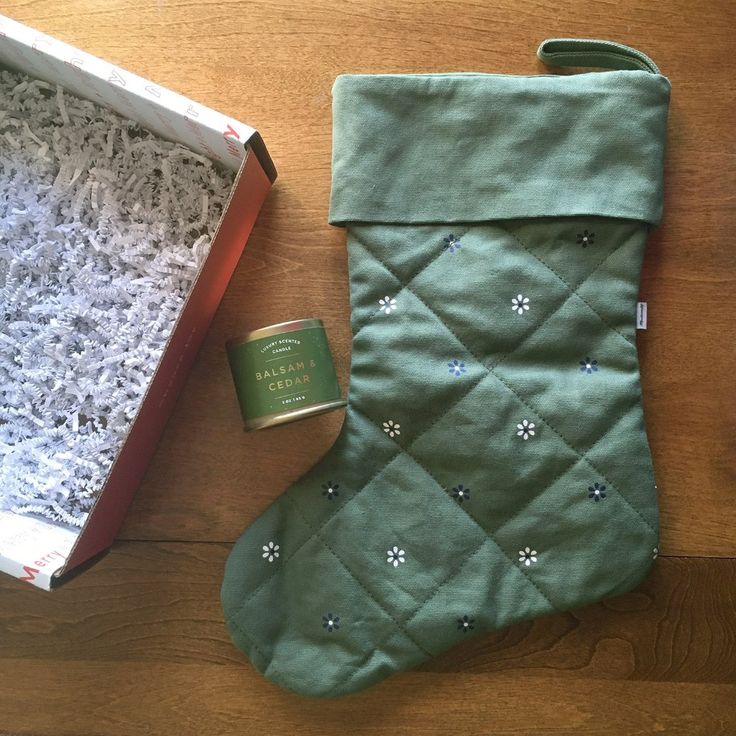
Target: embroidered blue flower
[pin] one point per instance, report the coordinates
(451, 243)
(585, 238)
(588, 366)
(331, 622)
(457, 368)
(330, 490)
(597, 491)
(465, 624)
(460, 493)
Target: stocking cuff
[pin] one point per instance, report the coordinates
(474, 147)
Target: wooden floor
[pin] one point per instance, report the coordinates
(137, 644)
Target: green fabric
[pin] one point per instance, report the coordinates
(493, 465)
(476, 147)
(588, 52)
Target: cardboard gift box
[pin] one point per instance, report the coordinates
(32, 549)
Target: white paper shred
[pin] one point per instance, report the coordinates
(103, 227)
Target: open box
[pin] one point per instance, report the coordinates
(32, 549)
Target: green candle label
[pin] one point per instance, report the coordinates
(283, 373)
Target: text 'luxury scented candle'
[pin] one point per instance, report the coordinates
(284, 372)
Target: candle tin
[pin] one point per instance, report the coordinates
(284, 372)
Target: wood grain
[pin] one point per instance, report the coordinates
(141, 636)
(159, 602)
(136, 645)
(130, 698)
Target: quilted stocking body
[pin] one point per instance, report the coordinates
(493, 465)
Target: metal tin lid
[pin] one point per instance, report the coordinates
(277, 329)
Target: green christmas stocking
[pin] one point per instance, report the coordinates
(493, 465)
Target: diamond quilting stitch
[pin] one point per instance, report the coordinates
(581, 455)
(496, 327)
(577, 452)
(396, 493)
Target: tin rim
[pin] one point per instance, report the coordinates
(278, 329)
(273, 420)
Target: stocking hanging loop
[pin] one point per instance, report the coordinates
(589, 52)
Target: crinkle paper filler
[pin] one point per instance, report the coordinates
(103, 227)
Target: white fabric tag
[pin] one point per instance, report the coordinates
(641, 315)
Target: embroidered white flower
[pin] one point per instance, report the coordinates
(395, 555)
(520, 304)
(388, 304)
(525, 429)
(527, 556)
(391, 428)
(270, 551)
